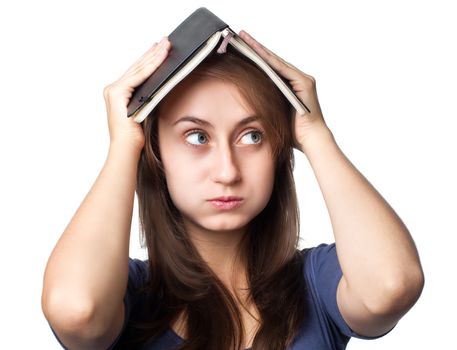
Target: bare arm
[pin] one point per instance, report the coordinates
(382, 273)
(86, 275)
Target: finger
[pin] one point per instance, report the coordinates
(140, 60)
(140, 72)
(164, 43)
(147, 68)
(150, 54)
(272, 59)
(267, 52)
(264, 51)
(285, 68)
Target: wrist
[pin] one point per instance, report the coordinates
(125, 147)
(316, 137)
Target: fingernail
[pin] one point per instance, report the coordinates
(163, 40)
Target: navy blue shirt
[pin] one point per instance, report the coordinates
(324, 328)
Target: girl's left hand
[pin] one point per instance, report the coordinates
(303, 85)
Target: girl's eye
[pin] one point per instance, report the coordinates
(195, 137)
(253, 137)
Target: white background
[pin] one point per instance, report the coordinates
(386, 78)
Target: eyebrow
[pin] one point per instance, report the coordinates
(202, 122)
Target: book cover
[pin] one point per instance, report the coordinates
(192, 41)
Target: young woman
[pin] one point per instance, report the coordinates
(212, 167)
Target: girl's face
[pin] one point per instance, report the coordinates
(213, 146)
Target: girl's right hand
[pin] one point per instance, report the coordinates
(117, 95)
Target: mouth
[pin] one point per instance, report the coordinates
(226, 203)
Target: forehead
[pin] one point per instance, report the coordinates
(206, 98)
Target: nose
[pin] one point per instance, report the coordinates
(225, 169)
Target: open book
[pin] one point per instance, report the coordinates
(192, 41)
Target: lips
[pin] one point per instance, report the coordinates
(226, 199)
(226, 202)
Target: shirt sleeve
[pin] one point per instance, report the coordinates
(136, 279)
(325, 275)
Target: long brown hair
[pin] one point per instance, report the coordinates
(180, 281)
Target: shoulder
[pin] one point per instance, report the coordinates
(322, 272)
(138, 271)
(321, 268)
(137, 288)
(315, 258)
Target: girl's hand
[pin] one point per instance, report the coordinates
(117, 96)
(304, 86)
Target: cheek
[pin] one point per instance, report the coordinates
(182, 175)
(173, 159)
(261, 178)
(177, 175)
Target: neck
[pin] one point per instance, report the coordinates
(223, 251)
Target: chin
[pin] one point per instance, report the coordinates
(218, 223)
